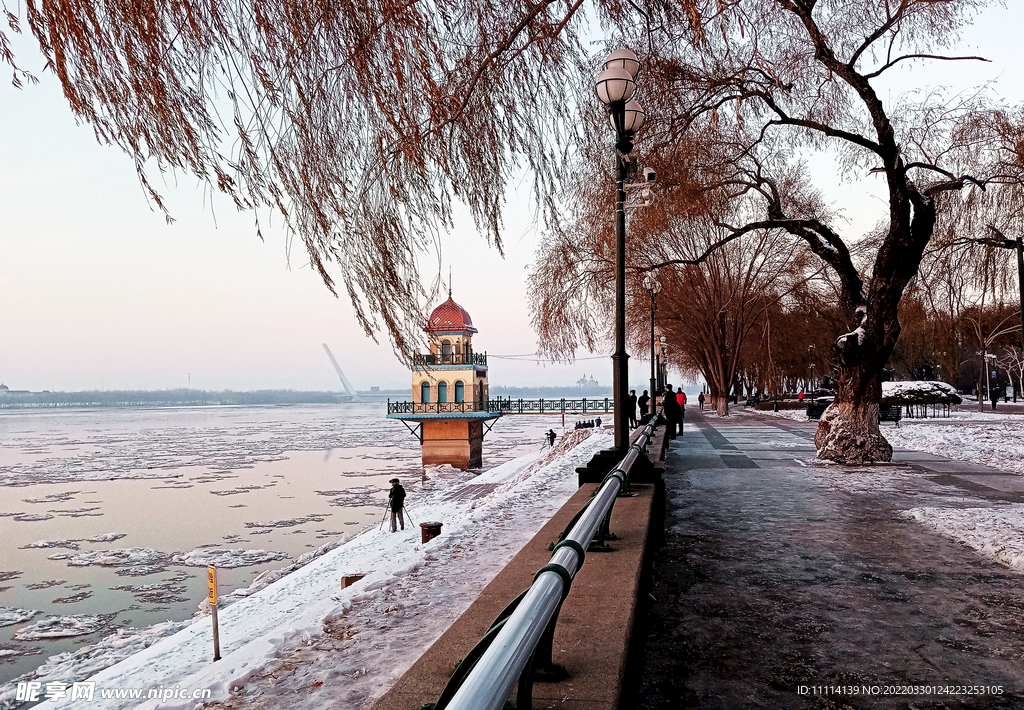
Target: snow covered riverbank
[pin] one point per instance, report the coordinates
(374, 629)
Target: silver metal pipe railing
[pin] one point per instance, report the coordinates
(494, 676)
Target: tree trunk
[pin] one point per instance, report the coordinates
(848, 431)
(722, 405)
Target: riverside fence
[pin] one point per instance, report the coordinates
(508, 405)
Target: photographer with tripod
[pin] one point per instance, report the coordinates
(396, 501)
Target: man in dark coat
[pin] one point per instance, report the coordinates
(631, 409)
(673, 412)
(396, 499)
(642, 402)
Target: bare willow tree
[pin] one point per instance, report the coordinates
(801, 76)
(359, 123)
(711, 310)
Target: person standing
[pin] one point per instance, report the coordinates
(631, 409)
(643, 401)
(551, 437)
(396, 499)
(673, 414)
(700, 401)
(681, 398)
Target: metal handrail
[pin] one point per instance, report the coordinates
(434, 359)
(508, 406)
(491, 680)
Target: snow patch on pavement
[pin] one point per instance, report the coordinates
(997, 533)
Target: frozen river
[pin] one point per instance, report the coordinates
(108, 516)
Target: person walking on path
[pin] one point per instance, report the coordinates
(681, 398)
(396, 499)
(700, 401)
(642, 402)
(993, 394)
(631, 409)
(673, 412)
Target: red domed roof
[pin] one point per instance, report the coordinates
(450, 317)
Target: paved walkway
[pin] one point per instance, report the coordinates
(783, 579)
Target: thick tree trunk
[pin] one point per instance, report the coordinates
(848, 431)
(722, 406)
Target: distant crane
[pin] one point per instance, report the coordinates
(349, 389)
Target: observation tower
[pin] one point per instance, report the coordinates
(449, 392)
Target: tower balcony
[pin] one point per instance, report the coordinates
(438, 360)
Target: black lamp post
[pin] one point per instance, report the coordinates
(663, 364)
(653, 287)
(615, 88)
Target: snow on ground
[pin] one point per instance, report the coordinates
(994, 532)
(975, 437)
(377, 627)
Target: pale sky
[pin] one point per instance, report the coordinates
(96, 291)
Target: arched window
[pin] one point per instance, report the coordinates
(459, 391)
(458, 348)
(442, 392)
(425, 392)
(446, 347)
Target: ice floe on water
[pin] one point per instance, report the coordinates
(70, 666)
(49, 544)
(107, 537)
(63, 627)
(227, 557)
(127, 557)
(169, 591)
(289, 522)
(10, 615)
(9, 653)
(45, 584)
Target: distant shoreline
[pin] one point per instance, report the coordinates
(170, 398)
(24, 399)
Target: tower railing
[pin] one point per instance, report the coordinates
(507, 405)
(432, 359)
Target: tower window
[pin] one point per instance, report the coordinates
(442, 392)
(425, 392)
(446, 347)
(459, 389)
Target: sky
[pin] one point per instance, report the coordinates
(98, 292)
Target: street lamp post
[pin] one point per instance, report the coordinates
(653, 287)
(663, 365)
(615, 87)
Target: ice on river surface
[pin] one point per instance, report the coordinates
(254, 486)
